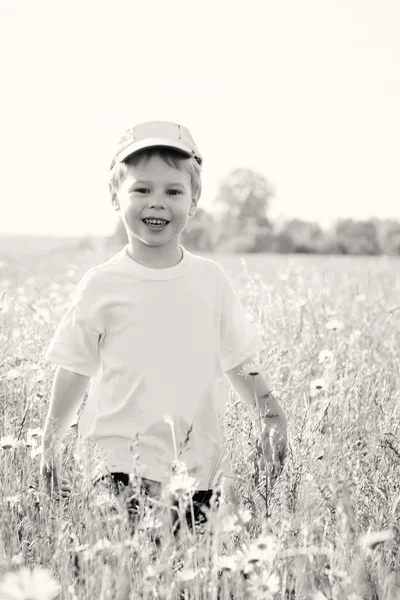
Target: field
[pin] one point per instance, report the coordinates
(331, 327)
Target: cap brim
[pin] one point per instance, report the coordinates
(151, 143)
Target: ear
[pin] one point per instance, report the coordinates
(193, 207)
(114, 198)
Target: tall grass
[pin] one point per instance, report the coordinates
(331, 331)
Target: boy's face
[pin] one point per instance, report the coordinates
(152, 189)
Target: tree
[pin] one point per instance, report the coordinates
(299, 236)
(200, 232)
(357, 237)
(243, 196)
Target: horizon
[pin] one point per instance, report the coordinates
(271, 90)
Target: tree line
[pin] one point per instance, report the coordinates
(240, 223)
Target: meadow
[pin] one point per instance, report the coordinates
(331, 331)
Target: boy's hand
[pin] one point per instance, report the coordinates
(273, 446)
(50, 469)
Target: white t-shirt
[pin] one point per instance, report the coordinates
(156, 342)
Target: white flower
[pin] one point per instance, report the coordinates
(12, 499)
(244, 515)
(262, 550)
(7, 442)
(361, 297)
(354, 336)
(230, 523)
(317, 386)
(29, 585)
(98, 547)
(187, 574)
(325, 356)
(36, 452)
(150, 572)
(34, 432)
(226, 563)
(264, 586)
(13, 374)
(182, 485)
(334, 325)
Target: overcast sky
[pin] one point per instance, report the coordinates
(305, 92)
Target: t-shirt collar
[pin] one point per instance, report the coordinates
(156, 274)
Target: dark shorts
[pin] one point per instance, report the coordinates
(201, 499)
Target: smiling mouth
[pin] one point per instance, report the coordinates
(155, 223)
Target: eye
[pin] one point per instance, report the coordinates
(141, 190)
(175, 192)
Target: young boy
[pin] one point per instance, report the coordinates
(154, 330)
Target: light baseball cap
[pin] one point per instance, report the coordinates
(155, 134)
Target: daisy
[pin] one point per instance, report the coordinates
(182, 485)
(35, 432)
(264, 586)
(317, 386)
(325, 356)
(13, 374)
(29, 585)
(226, 563)
(265, 546)
(230, 523)
(7, 442)
(334, 325)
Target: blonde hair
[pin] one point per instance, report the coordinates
(172, 158)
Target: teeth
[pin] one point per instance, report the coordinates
(155, 222)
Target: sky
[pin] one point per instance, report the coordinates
(305, 93)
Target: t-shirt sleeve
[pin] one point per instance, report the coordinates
(75, 343)
(239, 340)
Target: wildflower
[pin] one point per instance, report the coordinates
(266, 545)
(30, 442)
(251, 368)
(98, 547)
(334, 325)
(150, 573)
(8, 442)
(354, 336)
(230, 523)
(29, 585)
(36, 452)
(317, 386)
(13, 374)
(244, 515)
(187, 574)
(264, 586)
(34, 432)
(361, 298)
(226, 563)
(182, 485)
(325, 356)
(12, 500)
(18, 559)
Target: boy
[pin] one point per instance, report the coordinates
(154, 330)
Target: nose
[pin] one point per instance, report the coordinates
(157, 202)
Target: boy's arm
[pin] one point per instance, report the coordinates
(244, 386)
(273, 442)
(67, 394)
